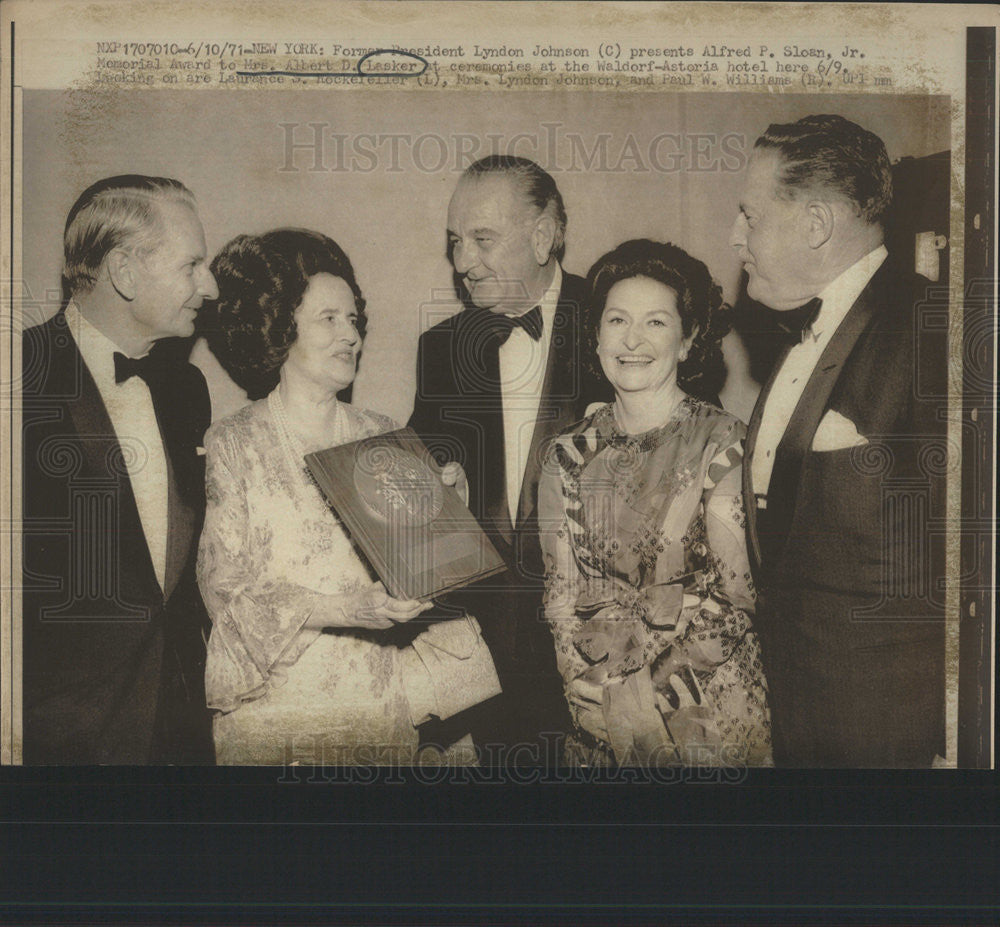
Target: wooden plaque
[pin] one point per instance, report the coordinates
(417, 533)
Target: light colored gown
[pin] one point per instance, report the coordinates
(643, 539)
(289, 694)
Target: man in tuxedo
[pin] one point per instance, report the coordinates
(845, 458)
(494, 383)
(113, 647)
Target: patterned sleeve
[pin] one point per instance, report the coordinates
(561, 573)
(255, 622)
(723, 618)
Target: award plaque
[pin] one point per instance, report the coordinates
(416, 532)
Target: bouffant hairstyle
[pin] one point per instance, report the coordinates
(699, 305)
(832, 153)
(262, 279)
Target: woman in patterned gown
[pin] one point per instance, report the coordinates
(648, 588)
(309, 659)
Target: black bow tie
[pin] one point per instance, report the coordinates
(127, 367)
(531, 322)
(794, 323)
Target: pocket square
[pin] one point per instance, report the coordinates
(836, 433)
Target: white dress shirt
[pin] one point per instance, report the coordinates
(522, 376)
(130, 408)
(790, 381)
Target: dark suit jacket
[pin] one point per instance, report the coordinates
(458, 412)
(849, 554)
(113, 666)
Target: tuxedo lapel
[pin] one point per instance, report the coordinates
(555, 405)
(791, 452)
(90, 420)
(750, 501)
(478, 343)
(103, 458)
(179, 447)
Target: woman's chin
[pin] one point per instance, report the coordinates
(631, 384)
(345, 377)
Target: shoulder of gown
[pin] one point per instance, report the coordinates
(595, 411)
(719, 427)
(252, 426)
(247, 426)
(365, 423)
(575, 443)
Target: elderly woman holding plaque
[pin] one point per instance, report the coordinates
(309, 658)
(648, 588)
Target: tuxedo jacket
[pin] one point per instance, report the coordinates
(458, 412)
(849, 553)
(113, 665)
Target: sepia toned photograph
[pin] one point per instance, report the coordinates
(498, 462)
(692, 330)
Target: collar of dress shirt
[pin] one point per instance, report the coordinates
(840, 294)
(549, 301)
(96, 349)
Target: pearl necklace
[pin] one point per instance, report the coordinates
(289, 440)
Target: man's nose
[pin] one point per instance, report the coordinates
(462, 258)
(207, 286)
(737, 234)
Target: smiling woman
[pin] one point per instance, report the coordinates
(327, 343)
(648, 588)
(307, 659)
(270, 285)
(642, 340)
(657, 316)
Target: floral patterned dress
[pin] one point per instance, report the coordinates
(285, 693)
(646, 563)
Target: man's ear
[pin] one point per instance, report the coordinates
(122, 272)
(820, 219)
(542, 237)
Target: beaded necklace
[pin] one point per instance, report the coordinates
(289, 440)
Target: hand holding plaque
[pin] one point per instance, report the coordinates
(371, 607)
(409, 522)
